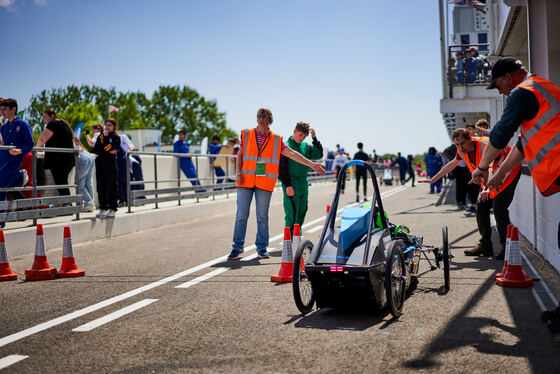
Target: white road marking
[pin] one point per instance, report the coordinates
(92, 308)
(113, 316)
(316, 228)
(10, 360)
(204, 277)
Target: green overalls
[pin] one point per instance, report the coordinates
(295, 207)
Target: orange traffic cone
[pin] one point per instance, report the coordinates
(41, 269)
(5, 271)
(296, 240)
(68, 269)
(285, 273)
(508, 236)
(514, 275)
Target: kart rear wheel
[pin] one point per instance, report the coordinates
(395, 285)
(446, 257)
(303, 292)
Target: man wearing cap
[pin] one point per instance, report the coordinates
(534, 104)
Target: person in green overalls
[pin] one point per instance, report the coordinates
(294, 176)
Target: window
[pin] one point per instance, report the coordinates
(483, 39)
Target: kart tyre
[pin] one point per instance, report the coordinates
(301, 285)
(446, 257)
(395, 284)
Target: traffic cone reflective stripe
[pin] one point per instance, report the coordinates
(296, 241)
(504, 268)
(514, 275)
(6, 273)
(285, 273)
(68, 269)
(41, 269)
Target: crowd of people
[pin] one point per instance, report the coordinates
(468, 65)
(109, 147)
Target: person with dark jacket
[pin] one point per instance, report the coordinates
(361, 171)
(106, 172)
(57, 134)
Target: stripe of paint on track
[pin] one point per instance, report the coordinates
(113, 316)
(78, 313)
(10, 360)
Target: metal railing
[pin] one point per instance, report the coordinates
(466, 73)
(40, 207)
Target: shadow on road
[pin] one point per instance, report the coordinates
(354, 319)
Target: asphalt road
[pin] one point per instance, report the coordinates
(236, 321)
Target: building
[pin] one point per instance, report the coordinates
(525, 29)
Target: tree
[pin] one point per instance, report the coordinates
(173, 108)
(82, 112)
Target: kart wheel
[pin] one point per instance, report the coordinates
(303, 292)
(395, 285)
(446, 257)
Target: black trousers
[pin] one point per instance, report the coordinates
(60, 176)
(361, 174)
(461, 175)
(500, 204)
(107, 187)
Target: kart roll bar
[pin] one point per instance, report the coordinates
(334, 207)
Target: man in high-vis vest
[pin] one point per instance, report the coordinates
(294, 175)
(534, 105)
(258, 163)
(470, 149)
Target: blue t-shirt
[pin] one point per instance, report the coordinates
(433, 163)
(17, 133)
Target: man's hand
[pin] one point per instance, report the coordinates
(312, 131)
(239, 178)
(290, 191)
(318, 168)
(430, 180)
(496, 180)
(15, 151)
(478, 175)
(484, 195)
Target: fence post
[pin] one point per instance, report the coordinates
(178, 180)
(226, 180)
(76, 160)
(34, 177)
(197, 178)
(128, 188)
(212, 170)
(155, 178)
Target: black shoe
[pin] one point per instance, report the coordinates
(501, 255)
(357, 199)
(554, 325)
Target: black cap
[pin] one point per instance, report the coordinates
(502, 67)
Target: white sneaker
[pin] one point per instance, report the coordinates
(25, 177)
(89, 208)
(111, 213)
(102, 213)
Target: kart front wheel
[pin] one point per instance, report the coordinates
(395, 284)
(303, 292)
(445, 257)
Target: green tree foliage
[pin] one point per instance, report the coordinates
(171, 108)
(174, 108)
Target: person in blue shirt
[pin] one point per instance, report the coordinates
(434, 163)
(15, 132)
(403, 166)
(214, 149)
(182, 146)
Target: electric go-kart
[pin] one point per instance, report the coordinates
(364, 261)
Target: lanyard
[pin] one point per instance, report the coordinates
(264, 144)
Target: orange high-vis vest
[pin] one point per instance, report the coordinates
(269, 155)
(540, 136)
(479, 145)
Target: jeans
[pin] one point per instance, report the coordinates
(220, 173)
(85, 177)
(437, 184)
(500, 204)
(244, 197)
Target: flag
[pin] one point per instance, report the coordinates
(78, 129)
(113, 109)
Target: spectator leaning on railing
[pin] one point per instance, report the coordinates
(84, 173)
(15, 132)
(57, 134)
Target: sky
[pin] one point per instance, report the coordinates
(358, 71)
